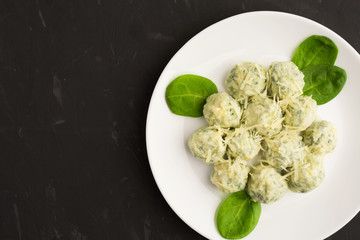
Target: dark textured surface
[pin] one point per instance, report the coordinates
(76, 79)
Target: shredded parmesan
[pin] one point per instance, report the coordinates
(257, 126)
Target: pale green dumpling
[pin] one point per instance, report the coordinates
(266, 185)
(308, 176)
(286, 80)
(320, 137)
(245, 80)
(263, 115)
(230, 176)
(284, 149)
(208, 145)
(222, 110)
(243, 144)
(300, 112)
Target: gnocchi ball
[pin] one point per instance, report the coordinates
(222, 110)
(230, 176)
(245, 80)
(207, 144)
(300, 112)
(266, 185)
(320, 137)
(285, 80)
(243, 144)
(264, 115)
(308, 176)
(282, 150)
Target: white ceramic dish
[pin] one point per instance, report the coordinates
(184, 181)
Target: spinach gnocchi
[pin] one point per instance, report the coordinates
(264, 115)
(286, 80)
(320, 137)
(245, 80)
(242, 143)
(208, 145)
(284, 150)
(263, 134)
(230, 176)
(266, 185)
(300, 112)
(308, 176)
(222, 110)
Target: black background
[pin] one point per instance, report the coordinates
(76, 78)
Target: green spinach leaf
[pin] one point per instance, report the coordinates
(237, 216)
(315, 50)
(186, 94)
(323, 82)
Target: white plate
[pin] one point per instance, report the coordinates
(184, 181)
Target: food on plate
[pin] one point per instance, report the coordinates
(222, 110)
(285, 80)
(268, 126)
(242, 143)
(207, 144)
(269, 113)
(320, 137)
(309, 175)
(245, 80)
(299, 112)
(323, 82)
(237, 216)
(284, 150)
(230, 176)
(266, 185)
(186, 94)
(263, 115)
(315, 57)
(315, 50)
